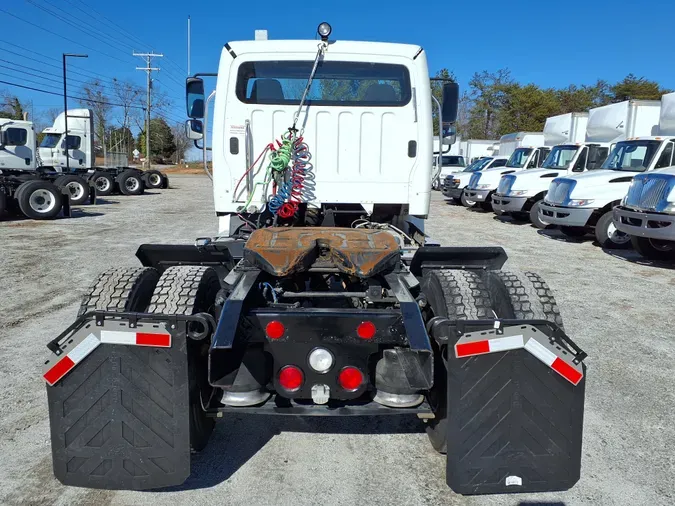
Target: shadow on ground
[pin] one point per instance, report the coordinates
(234, 442)
(634, 257)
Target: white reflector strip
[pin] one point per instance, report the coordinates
(116, 337)
(506, 343)
(83, 349)
(539, 351)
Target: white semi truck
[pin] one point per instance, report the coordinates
(526, 150)
(583, 203)
(577, 148)
(321, 303)
(647, 212)
(59, 175)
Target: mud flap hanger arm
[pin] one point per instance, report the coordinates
(206, 321)
(447, 331)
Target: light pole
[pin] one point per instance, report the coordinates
(65, 103)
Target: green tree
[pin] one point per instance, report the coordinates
(162, 145)
(637, 88)
(525, 108)
(486, 96)
(581, 98)
(11, 107)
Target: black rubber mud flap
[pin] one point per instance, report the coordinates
(514, 425)
(120, 418)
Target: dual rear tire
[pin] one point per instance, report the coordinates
(182, 290)
(467, 295)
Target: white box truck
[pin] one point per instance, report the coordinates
(647, 212)
(526, 150)
(520, 194)
(583, 203)
(453, 185)
(474, 149)
(451, 160)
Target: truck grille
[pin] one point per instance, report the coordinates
(648, 190)
(473, 182)
(505, 184)
(448, 182)
(560, 190)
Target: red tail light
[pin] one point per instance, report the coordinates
(366, 330)
(275, 330)
(291, 378)
(350, 378)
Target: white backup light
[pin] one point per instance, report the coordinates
(324, 31)
(321, 360)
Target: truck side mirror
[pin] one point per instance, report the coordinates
(593, 156)
(194, 97)
(449, 111)
(3, 139)
(194, 129)
(450, 102)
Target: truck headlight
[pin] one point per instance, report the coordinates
(456, 181)
(580, 203)
(483, 186)
(517, 193)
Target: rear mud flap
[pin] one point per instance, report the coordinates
(120, 418)
(515, 417)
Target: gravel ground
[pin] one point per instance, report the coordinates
(615, 307)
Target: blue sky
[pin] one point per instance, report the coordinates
(547, 43)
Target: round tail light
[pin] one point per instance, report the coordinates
(291, 378)
(275, 330)
(350, 379)
(366, 330)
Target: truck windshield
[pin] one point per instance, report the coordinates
(560, 157)
(519, 158)
(453, 161)
(50, 140)
(478, 165)
(337, 83)
(632, 156)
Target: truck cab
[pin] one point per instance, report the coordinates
(584, 202)
(364, 96)
(454, 184)
(80, 148)
(519, 193)
(17, 144)
(483, 185)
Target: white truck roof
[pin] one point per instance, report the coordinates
(616, 122)
(78, 119)
(566, 128)
(309, 46)
(16, 122)
(524, 138)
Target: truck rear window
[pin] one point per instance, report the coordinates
(336, 83)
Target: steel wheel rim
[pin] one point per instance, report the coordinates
(75, 190)
(42, 201)
(102, 183)
(617, 236)
(154, 179)
(132, 184)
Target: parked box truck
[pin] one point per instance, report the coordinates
(520, 194)
(474, 149)
(526, 150)
(583, 203)
(647, 212)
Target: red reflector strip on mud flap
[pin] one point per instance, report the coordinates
(473, 344)
(136, 338)
(67, 362)
(57, 368)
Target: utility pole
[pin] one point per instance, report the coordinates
(148, 69)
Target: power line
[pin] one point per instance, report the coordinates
(62, 36)
(148, 70)
(180, 69)
(87, 74)
(84, 99)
